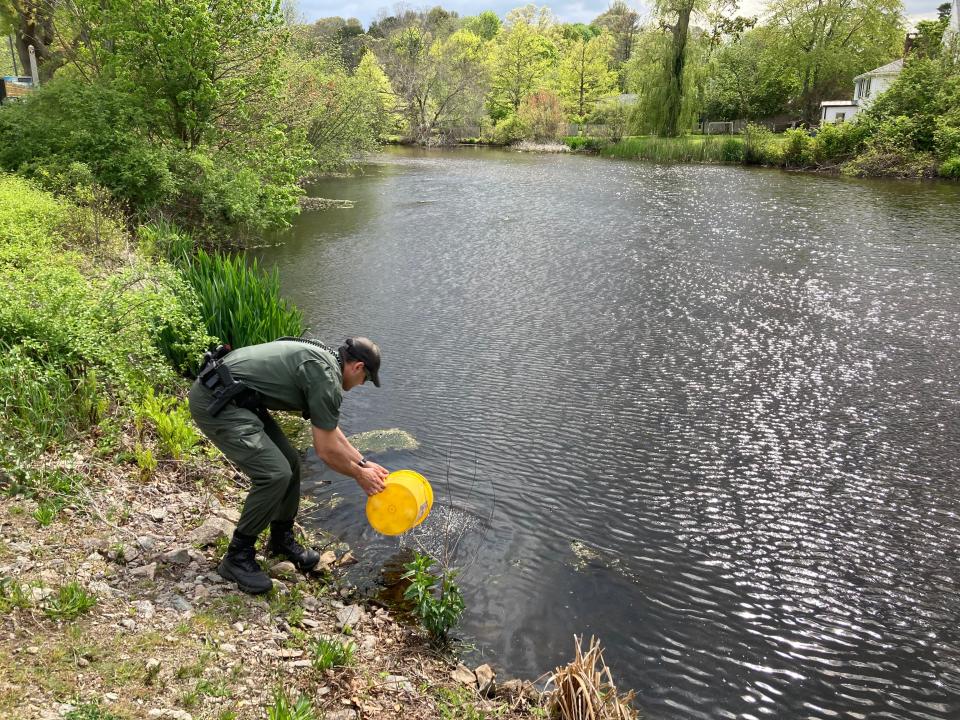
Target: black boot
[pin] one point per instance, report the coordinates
(284, 542)
(240, 565)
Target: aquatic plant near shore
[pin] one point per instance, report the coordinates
(439, 610)
(584, 688)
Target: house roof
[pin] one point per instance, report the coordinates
(891, 68)
(838, 103)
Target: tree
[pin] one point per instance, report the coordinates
(486, 25)
(584, 76)
(672, 86)
(828, 42)
(622, 23)
(748, 79)
(521, 60)
(32, 23)
(542, 113)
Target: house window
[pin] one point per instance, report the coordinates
(859, 93)
(866, 89)
(840, 117)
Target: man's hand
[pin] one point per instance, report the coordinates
(370, 478)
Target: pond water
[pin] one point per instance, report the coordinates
(708, 414)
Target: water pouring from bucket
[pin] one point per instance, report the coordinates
(404, 504)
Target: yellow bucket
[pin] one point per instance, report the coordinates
(403, 505)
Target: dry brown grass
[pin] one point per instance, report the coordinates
(584, 689)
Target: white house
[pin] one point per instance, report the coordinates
(866, 88)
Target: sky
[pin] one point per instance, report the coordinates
(565, 10)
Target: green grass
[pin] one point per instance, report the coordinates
(687, 148)
(90, 711)
(284, 709)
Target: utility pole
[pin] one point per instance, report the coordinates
(33, 66)
(13, 55)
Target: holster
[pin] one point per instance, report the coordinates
(216, 377)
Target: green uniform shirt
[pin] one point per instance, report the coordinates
(291, 375)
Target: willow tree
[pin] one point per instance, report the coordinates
(674, 18)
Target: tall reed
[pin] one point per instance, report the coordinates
(240, 302)
(687, 148)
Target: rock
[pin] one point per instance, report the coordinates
(111, 697)
(327, 561)
(147, 542)
(101, 589)
(33, 650)
(157, 514)
(464, 675)
(147, 571)
(180, 604)
(346, 559)
(310, 603)
(220, 511)
(289, 653)
(94, 544)
(177, 556)
(485, 677)
(309, 623)
(212, 531)
(397, 682)
(342, 715)
(229, 648)
(285, 569)
(39, 594)
(83, 662)
(129, 623)
(152, 669)
(200, 592)
(350, 615)
(239, 627)
(145, 609)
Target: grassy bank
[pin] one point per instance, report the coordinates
(688, 148)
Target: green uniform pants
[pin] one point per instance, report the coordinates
(255, 444)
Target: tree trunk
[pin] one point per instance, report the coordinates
(34, 26)
(678, 58)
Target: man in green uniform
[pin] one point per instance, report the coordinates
(230, 402)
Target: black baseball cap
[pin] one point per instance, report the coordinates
(367, 351)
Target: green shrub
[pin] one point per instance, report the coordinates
(90, 711)
(171, 419)
(439, 609)
(14, 595)
(67, 121)
(950, 168)
(510, 130)
(587, 144)
(328, 653)
(759, 146)
(69, 601)
(837, 142)
(239, 302)
(164, 240)
(798, 148)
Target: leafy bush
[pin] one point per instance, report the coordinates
(510, 130)
(836, 142)
(439, 609)
(239, 302)
(951, 168)
(171, 419)
(589, 144)
(798, 150)
(14, 595)
(542, 112)
(328, 653)
(90, 711)
(759, 146)
(164, 240)
(97, 124)
(890, 151)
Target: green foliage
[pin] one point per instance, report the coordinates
(521, 60)
(457, 704)
(759, 146)
(510, 130)
(283, 709)
(890, 151)
(66, 122)
(90, 711)
(543, 114)
(584, 77)
(438, 608)
(14, 595)
(170, 417)
(163, 240)
(69, 601)
(326, 653)
(687, 148)
(950, 168)
(799, 149)
(837, 142)
(239, 302)
(586, 144)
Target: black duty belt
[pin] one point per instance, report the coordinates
(217, 378)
